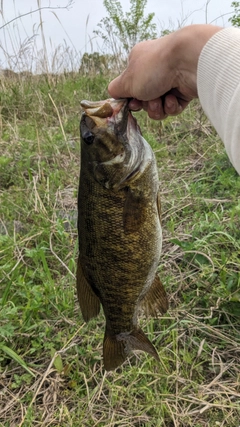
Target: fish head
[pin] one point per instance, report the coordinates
(111, 141)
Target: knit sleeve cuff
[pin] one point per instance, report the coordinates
(218, 81)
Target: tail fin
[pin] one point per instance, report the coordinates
(117, 348)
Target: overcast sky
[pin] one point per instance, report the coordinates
(76, 25)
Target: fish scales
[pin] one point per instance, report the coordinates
(119, 232)
(115, 251)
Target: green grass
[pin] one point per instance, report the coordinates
(50, 360)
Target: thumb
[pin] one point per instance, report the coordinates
(118, 88)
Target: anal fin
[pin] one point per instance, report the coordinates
(117, 348)
(88, 300)
(155, 300)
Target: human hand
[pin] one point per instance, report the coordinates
(161, 75)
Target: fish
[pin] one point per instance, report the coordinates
(119, 228)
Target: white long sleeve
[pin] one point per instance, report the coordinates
(218, 81)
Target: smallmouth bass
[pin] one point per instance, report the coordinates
(119, 228)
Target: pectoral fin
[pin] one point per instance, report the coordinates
(89, 302)
(155, 300)
(134, 212)
(117, 348)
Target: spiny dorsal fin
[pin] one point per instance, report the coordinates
(155, 300)
(89, 302)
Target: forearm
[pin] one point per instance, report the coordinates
(218, 82)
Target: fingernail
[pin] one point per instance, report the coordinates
(153, 106)
(169, 103)
(135, 105)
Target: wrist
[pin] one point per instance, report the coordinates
(187, 44)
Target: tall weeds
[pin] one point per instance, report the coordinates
(20, 53)
(51, 371)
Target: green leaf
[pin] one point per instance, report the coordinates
(11, 353)
(187, 246)
(57, 361)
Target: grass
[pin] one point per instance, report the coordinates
(50, 360)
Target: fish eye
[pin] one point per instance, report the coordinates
(88, 137)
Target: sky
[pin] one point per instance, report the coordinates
(74, 27)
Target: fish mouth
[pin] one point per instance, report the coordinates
(111, 120)
(112, 115)
(100, 111)
(111, 110)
